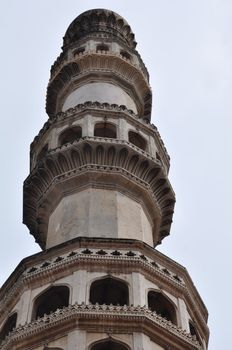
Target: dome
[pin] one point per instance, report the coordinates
(102, 23)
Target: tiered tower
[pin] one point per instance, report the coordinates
(98, 200)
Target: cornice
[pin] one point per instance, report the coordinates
(63, 61)
(167, 274)
(94, 154)
(106, 64)
(136, 319)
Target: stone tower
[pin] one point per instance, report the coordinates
(98, 201)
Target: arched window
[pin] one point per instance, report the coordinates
(8, 326)
(109, 345)
(42, 153)
(70, 135)
(109, 291)
(137, 140)
(162, 305)
(52, 299)
(105, 130)
(102, 47)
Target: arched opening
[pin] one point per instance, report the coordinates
(161, 305)
(125, 55)
(70, 135)
(137, 140)
(109, 291)
(105, 130)
(42, 153)
(52, 299)
(8, 326)
(109, 345)
(79, 51)
(193, 330)
(102, 48)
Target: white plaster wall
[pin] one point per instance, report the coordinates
(184, 315)
(101, 92)
(76, 340)
(58, 343)
(98, 213)
(138, 281)
(23, 307)
(143, 342)
(61, 343)
(132, 221)
(79, 286)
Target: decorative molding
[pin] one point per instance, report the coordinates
(110, 156)
(137, 318)
(153, 266)
(114, 66)
(99, 21)
(59, 62)
(63, 61)
(109, 108)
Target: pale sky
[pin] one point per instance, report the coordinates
(187, 48)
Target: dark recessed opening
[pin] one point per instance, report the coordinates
(8, 326)
(102, 48)
(70, 135)
(105, 130)
(109, 291)
(193, 331)
(109, 345)
(161, 305)
(51, 300)
(137, 140)
(79, 51)
(125, 55)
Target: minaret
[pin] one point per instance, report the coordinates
(98, 201)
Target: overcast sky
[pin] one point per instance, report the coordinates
(187, 48)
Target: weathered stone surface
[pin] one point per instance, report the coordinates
(97, 200)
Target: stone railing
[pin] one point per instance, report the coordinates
(115, 314)
(134, 258)
(111, 108)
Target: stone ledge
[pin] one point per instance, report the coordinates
(42, 266)
(137, 318)
(110, 108)
(64, 61)
(91, 65)
(116, 159)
